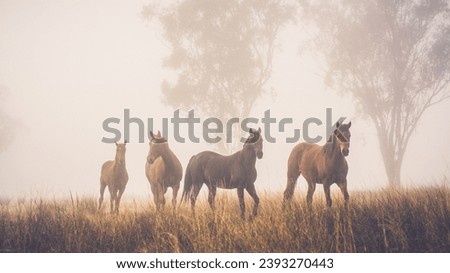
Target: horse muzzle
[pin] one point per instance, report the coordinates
(345, 152)
(259, 155)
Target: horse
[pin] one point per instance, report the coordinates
(226, 172)
(163, 170)
(320, 165)
(114, 176)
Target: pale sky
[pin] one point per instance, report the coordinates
(68, 65)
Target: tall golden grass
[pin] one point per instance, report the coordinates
(414, 220)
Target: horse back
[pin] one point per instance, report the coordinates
(210, 162)
(223, 171)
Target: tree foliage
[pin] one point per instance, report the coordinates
(221, 51)
(392, 56)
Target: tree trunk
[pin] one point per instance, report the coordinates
(394, 174)
(392, 159)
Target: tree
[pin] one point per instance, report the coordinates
(392, 56)
(222, 52)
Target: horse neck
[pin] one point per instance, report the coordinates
(169, 159)
(248, 155)
(118, 163)
(331, 148)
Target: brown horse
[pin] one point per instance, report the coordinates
(320, 164)
(163, 170)
(226, 172)
(114, 175)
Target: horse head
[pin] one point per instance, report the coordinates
(120, 151)
(343, 135)
(256, 142)
(158, 145)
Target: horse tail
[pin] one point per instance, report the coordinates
(293, 172)
(188, 182)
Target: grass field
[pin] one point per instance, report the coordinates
(414, 220)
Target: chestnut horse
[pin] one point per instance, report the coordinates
(320, 165)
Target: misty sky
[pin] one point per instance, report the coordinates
(65, 66)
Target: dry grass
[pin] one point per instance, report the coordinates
(415, 220)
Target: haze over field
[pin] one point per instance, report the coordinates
(66, 66)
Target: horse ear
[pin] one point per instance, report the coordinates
(151, 135)
(259, 130)
(250, 131)
(349, 124)
(337, 124)
(158, 135)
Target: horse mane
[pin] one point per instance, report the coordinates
(331, 139)
(167, 153)
(329, 146)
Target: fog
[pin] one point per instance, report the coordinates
(66, 66)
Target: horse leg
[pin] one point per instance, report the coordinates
(174, 196)
(326, 189)
(252, 191)
(112, 198)
(194, 193)
(309, 194)
(159, 198)
(102, 191)
(119, 196)
(240, 192)
(162, 200)
(154, 190)
(211, 197)
(343, 186)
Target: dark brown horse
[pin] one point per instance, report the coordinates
(226, 172)
(163, 170)
(320, 165)
(114, 176)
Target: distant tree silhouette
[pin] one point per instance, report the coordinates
(222, 52)
(392, 56)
